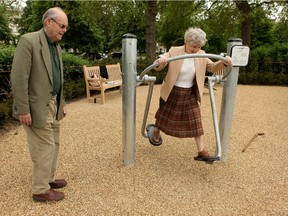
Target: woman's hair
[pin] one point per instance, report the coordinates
(195, 35)
(52, 13)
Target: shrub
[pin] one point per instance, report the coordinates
(142, 64)
(74, 85)
(74, 89)
(267, 66)
(264, 78)
(6, 57)
(73, 66)
(5, 111)
(269, 59)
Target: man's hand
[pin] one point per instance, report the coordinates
(64, 111)
(25, 119)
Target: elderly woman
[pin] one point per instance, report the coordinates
(179, 112)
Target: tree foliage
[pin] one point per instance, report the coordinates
(175, 18)
(98, 26)
(129, 17)
(222, 21)
(82, 35)
(261, 29)
(5, 31)
(280, 31)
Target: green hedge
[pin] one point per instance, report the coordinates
(74, 85)
(268, 65)
(6, 58)
(263, 78)
(5, 111)
(142, 64)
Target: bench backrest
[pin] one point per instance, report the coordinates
(114, 72)
(90, 72)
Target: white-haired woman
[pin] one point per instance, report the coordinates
(181, 91)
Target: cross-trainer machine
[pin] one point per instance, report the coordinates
(235, 49)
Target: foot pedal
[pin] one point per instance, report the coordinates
(150, 129)
(208, 160)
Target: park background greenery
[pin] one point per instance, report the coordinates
(98, 27)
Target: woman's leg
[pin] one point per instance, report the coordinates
(200, 146)
(200, 143)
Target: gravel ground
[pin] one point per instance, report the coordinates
(165, 180)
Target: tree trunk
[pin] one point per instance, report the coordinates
(245, 9)
(151, 30)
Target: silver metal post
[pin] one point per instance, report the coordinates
(215, 119)
(228, 101)
(129, 70)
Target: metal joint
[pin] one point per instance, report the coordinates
(146, 79)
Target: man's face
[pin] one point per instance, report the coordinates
(56, 27)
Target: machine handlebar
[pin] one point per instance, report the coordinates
(218, 57)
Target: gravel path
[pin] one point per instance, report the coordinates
(165, 180)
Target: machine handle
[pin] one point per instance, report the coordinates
(218, 57)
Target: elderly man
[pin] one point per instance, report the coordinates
(37, 86)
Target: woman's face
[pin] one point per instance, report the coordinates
(192, 47)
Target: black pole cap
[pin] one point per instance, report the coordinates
(129, 35)
(234, 40)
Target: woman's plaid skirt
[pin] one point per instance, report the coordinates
(180, 115)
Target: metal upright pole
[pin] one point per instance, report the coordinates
(129, 61)
(228, 100)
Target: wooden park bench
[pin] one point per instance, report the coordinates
(96, 80)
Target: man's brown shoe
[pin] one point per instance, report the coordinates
(58, 183)
(49, 195)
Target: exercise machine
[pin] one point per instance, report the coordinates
(235, 49)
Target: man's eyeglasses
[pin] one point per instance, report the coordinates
(62, 26)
